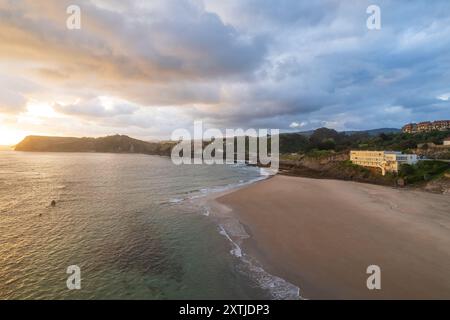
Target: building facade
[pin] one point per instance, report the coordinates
(447, 141)
(387, 161)
(440, 125)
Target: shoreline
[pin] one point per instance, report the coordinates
(323, 244)
(238, 234)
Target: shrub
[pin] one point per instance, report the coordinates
(423, 170)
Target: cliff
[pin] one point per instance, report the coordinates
(330, 165)
(109, 144)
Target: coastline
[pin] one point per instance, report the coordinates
(321, 235)
(238, 234)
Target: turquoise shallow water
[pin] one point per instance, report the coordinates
(122, 219)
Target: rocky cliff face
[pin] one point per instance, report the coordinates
(441, 185)
(314, 163)
(333, 166)
(432, 151)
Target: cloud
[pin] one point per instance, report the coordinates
(168, 41)
(444, 97)
(11, 102)
(98, 107)
(256, 63)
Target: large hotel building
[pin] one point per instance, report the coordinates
(387, 161)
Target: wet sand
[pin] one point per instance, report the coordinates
(321, 235)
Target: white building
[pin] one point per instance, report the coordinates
(387, 161)
(447, 141)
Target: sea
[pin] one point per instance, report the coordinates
(130, 223)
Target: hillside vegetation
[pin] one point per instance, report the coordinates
(331, 140)
(113, 144)
(325, 154)
(423, 171)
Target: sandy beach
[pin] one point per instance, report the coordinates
(321, 235)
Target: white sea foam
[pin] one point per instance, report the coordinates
(236, 251)
(217, 189)
(267, 172)
(206, 211)
(279, 288)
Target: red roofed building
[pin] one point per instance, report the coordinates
(440, 125)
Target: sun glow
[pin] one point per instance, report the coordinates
(10, 136)
(35, 114)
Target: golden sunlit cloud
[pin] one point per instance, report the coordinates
(36, 113)
(40, 109)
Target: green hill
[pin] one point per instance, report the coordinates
(324, 139)
(110, 144)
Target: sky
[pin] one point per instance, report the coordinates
(146, 68)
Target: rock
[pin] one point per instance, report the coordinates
(53, 203)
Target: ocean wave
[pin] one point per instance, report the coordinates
(236, 251)
(203, 192)
(176, 200)
(267, 172)
(206, 211)
(279, 288)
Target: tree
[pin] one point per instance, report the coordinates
(405, 170)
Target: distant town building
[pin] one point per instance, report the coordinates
(409, 128)
(387, 161)
(426, 126)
